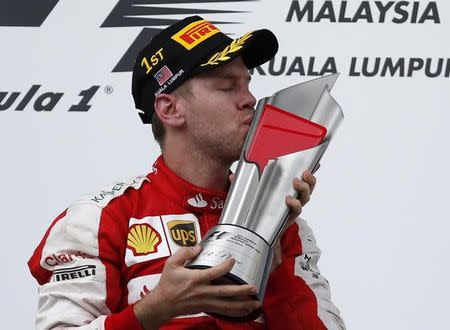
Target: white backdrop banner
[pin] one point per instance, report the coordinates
(68, 126)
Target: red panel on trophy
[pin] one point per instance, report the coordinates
(280, 133)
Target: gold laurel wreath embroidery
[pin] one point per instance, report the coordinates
(231, 48)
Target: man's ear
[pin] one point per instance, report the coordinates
(168, 109)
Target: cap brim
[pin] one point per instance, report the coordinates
(255, 48)
(261, 48)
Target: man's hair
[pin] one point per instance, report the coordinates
(158, 129)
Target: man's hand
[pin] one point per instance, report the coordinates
(304, 190)
(182, 291)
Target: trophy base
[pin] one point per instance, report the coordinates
(253, 257)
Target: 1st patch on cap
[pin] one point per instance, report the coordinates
(149, 62)
(195, 33)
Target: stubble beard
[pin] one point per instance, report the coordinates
(220, 149)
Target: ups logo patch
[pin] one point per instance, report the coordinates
(182, 232)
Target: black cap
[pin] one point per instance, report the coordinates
(189, 47)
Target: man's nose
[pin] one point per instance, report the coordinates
(248, 100)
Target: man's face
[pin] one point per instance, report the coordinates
(219, 110)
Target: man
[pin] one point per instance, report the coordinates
(114, 260)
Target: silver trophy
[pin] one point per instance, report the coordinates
(288, 135)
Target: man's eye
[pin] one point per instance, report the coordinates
(226, 88)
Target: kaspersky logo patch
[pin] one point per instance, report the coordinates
(197, 201)
(195, 33)
(182, 232)
(143, 239)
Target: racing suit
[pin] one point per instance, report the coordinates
(107, 250)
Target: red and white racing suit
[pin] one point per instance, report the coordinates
(107, 250)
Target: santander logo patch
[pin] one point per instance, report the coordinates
(197, 201)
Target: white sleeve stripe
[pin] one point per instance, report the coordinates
(306, 268)
(71, 253)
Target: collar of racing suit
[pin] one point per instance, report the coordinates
(189, 196)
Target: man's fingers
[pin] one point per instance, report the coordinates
(183, 255)
(303, 189)
(294, 205)
(231, 177)
(310, 180)
(230, 290)
(234, 308)
(215, 272)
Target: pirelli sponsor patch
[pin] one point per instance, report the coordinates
(73, 273)
(195, 33)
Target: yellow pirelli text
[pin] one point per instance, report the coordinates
(195, 33)
(149, 62)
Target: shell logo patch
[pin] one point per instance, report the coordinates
(143, 239)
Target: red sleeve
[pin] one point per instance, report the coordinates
(297, 295)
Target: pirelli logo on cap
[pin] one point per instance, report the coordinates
(182, 232)
(195, 33)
